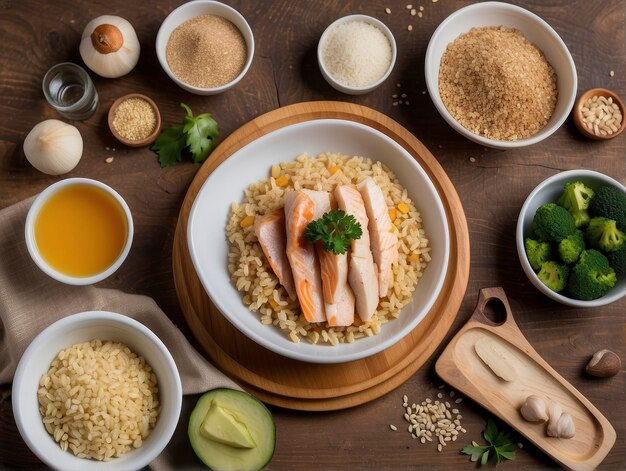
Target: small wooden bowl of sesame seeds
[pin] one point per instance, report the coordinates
(599, 114)
(134, 120)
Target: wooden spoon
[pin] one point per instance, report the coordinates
(461, 366)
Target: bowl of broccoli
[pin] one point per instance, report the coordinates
(571, 238)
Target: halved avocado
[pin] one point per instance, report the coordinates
(231, 430)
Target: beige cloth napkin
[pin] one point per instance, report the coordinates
(30, 301)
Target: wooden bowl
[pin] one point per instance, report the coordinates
(578, 113)
(143, 142)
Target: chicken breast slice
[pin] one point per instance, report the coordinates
(338, 297)
(384, 240)
(363, 273)
(305, 267)
(271, 232)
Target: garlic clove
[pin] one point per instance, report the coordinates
(534, 409)
(109, 46)
(554, 414)
(53, 147)
(565, 426)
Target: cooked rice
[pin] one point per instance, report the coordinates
(254, 277)
(99, 399)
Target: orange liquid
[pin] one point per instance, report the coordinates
(81, 230)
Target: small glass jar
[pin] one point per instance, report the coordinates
(70, 91)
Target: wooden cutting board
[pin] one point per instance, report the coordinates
(461, 367)
(305, 386)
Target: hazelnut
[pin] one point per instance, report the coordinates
(603, 364)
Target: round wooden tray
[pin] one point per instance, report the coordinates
(298, 385)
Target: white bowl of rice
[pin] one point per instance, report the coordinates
(356, 54)
(315, 155)
(88, 360)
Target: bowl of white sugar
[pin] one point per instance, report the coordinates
(356, 54)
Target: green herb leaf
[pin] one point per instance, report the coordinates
(201, 133)
(475, 451)
(196, 136)
(335, 230)
(490, 432)
(485, 457)
(170, 145)
(500, 445)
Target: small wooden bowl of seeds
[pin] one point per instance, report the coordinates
(134, 120)
(599, 114)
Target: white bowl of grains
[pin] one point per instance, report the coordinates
(206, 47)
(356, 54)
(500, 75)
(96, 390)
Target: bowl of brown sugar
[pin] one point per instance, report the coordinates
(500, 75)
(206, 47)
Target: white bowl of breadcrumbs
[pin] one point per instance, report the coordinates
(500, 75)
(205, 47)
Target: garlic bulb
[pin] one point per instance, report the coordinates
(109, 46)
(53, 147)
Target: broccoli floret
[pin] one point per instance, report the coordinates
(553, 223)
(610, 203)
(592, 276)
(594, 259)
(571, 247)
(603, 234)
(581, 218)
(576, 197)
(537, 252)
(554, 275)
(617, 260)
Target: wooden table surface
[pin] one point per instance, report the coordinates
(492, 185)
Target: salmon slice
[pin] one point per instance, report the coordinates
(338, 297)
(384, 242)
(363, 273)
(305, 267)
(321, 200)
(270, 230)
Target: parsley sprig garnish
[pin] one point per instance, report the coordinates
(500, 445)
(335, 230)
(195, 137)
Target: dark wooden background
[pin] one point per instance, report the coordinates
(35, 35)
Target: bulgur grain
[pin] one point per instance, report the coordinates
(99, 399)
(497, 84)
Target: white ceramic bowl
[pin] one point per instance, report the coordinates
(346, 88)
(190, 10)
(84, 327)
(31, 243)
(549, 191)
(536, 30)
(206, 230)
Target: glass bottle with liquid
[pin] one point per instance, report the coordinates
(70, 91)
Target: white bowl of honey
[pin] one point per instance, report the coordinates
(79, 231)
